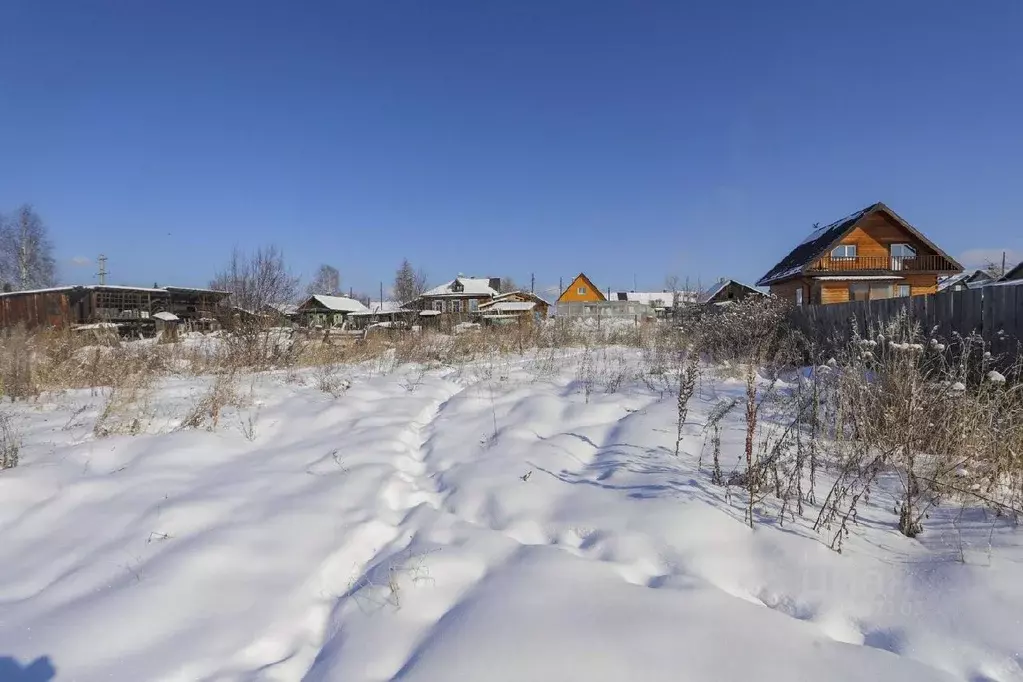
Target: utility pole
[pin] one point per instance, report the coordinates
(102, 274)
(532, 282)
(381, 308)
(1003, 264)
(633, 282)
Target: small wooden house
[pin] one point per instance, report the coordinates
(867, 255)
(729, 291)
(461, 296)
(581, 290)
(965, 280)
(514, 306)
(328, 311)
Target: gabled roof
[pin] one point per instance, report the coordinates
(822, 239)
(381, 308)
(708, 295)
(1014, 274)
(970, 279)
(593, 287)
(503, 297)
(340, 304)
(471, 286)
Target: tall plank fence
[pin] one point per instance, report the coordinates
(993, 312)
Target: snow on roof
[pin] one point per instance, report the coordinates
(510, 306)
(843, 278)
(716, 289)
(341, 304)
(166, 316)
(479, 286)
(381, 308)
(429, 313)
(657, 299)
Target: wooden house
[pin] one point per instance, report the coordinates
(870, 254)
(461, 296)
(663, 303)
(514, 306)
(581, 290)
(728, 291)
(328, 311)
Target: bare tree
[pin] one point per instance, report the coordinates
(26, 252)
(409, 284)
(327, 281)
(508, 285)
(257, 280)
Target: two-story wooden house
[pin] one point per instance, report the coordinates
(870, 254)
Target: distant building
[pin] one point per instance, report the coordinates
(728, 291)
(514, 306)
(965, 280)
(581, 289)
(128, 308)
(461, 296)
(328, 311)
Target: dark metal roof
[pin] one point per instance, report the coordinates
(1015, 273)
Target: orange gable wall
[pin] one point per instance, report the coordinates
(571, 293)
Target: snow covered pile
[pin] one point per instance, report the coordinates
(491, 522)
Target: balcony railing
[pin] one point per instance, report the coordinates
(884, 264)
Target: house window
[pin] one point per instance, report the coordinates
(903, 251)
(438, 306)
(456, 306)
(799, 297)
(581, 291)
(844, 251)
(859, 291)
(474, 304)
(457, 286)
(902, 290)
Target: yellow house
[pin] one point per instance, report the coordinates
(581, 290)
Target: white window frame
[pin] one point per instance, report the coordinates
(581, 291)
(799, 297)
(438, 305)
(474, 304)
(900, 288)
(911, 248)
(845, 249)
(456, 306)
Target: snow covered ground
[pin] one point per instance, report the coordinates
(474, 523)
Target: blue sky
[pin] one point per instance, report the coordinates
(505, 138)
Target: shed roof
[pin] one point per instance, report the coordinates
(817, 243)
(1014, 274)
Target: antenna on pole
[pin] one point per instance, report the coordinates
(102, 274)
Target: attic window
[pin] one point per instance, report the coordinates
(457, 287)
(844, 251)
(581, 291)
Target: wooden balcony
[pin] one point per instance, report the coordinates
(884, 264)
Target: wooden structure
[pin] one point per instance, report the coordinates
(461, 296)
(869, 255)
(131, 309)
(514, 306)
(328, 311)
(728, 291)
(581, 290)
(965, 280)
(1013, 275)
(995, 312)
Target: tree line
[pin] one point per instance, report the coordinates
(255, 280)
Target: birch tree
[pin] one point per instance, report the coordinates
(327, 282)
(26, 252)
(409, 283)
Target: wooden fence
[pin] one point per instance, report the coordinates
(993, 312)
